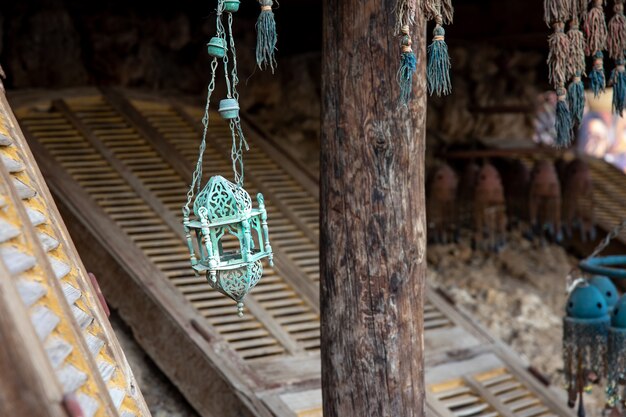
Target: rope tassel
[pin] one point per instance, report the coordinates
(618, 80)
(266, 36)
(559, 59)
(408, 66)
(438, 72)
(616, 42)
(576, 100)
(596, 77)
(595, 28)
(563, 119)
(577, 49)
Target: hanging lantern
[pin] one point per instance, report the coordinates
(585, 332)
(606, 287)
(616, 379)
(227, 238)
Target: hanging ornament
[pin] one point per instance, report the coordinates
(616, 40)
(576, 88)
(266, 36)
(596, 76)
(615, 389)
(438, 65)
(227, 238)
(595, 28)
(618, 81)
(563, 119)
(408, 65)
(585, 333)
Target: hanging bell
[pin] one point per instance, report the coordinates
(231, 6)
(217, 47)
(607, 289)
(231, 238)
(615, 390)
(229, 108)
(585, 334)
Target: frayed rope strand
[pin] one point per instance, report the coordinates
(563, 120)
(616, 42)
(438, 71)
(595, 28)
(596, 77)
(408, 66)
(266, 36)
(576, 100)
(618, 79)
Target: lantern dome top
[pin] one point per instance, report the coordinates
(618, 318)
(222, 200)
(586, 302)
(607, 289)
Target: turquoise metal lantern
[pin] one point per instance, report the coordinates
(585, 333)
(227, 237)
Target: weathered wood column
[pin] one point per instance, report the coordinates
(373, 238)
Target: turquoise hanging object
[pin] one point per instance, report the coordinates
(576, 100)
(408, 65)
(596, 76)
(615, 389)
(563, 120)
(231, 6)
(585, 338)
(618, 80)
(607, 289)
(217, 47)
(266, 36)
(229, 108)
(438, 69)
(226, 236)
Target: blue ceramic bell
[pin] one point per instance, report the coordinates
(585, 334)
(217, 47)
(229, 108)
(607, 288)
(231, 6)
(615, 390)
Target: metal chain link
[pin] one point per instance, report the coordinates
(605, 242)
(574, 279)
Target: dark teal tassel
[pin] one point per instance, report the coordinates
(576, 100)
(618, 79)
(266, 36)
(596, 77)
(408, 65)
(563, 120)
(438, 72)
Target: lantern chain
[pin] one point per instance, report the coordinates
(238, 139)
(605, 242)
(573, 279)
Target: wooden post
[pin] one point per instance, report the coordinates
(373, 231)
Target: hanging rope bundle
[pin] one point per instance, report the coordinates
(596, 76)
(266, 36)
(618, 81)
(438, 59)
(576, 88)
(408, 65)
(616, 42)
(222, 209)
(595, 28)
(559, 62)
(438, 67)
(563, 119)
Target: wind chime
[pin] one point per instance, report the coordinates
(438, 64)
(566, 58)
(228, 238)
(594, 331)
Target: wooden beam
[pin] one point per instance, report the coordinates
(373, 229)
